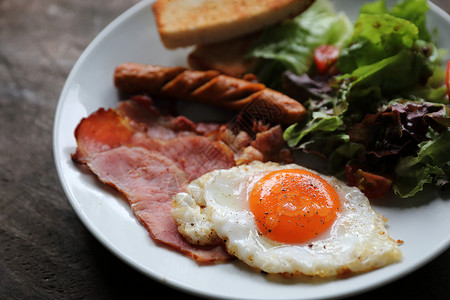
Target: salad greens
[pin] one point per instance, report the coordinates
(413, 11)
(431, 164)
(380, 116)
(289, 45)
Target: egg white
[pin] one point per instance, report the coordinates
(215, 209)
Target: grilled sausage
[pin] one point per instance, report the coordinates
(210, 87)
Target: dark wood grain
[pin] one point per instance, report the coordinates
(45, 251)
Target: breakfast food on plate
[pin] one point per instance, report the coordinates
(189, 22)
(209, 87)
(285, 219)
(217, 191)
(150, 156)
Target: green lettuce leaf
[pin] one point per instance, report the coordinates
(319, 122)
(431, 165)
(342, 155)
(377, 7)
(415, 12)
(411, 10)
(385, 58)
(376, 37)
(392, 74)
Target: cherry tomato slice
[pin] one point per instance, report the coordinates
(372, 185)
(325, 56)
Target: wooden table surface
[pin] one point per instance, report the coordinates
(45, 251)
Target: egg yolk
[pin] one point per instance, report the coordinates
(293, 206)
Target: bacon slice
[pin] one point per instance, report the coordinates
(101, 131)
(195, 154)
(149, 158)
(149, 180)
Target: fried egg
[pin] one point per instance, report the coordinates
(285, 219)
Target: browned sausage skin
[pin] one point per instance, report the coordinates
(210, 87)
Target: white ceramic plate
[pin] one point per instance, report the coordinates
(422, 223)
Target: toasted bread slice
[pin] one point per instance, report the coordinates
(184, 23)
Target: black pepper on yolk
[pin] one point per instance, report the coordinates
(293, 206)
